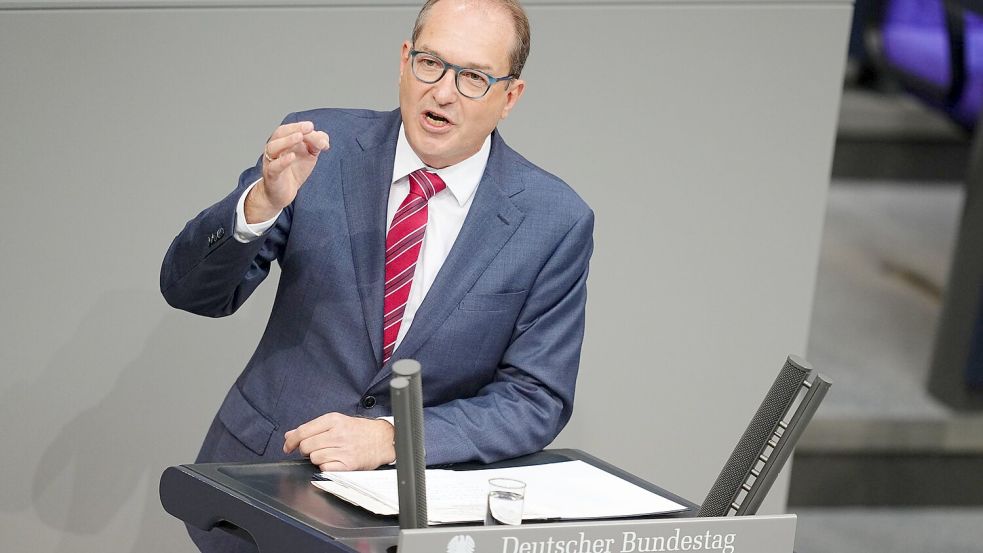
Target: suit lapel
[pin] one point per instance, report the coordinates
(366, 181)
(490, 222)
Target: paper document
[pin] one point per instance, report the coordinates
(567, 490)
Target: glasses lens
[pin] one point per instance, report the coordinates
(472, 84)
(427, 68)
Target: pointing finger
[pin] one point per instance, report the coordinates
(316, 142)
(275, 148)
(303, 127)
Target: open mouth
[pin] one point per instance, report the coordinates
(436, 120)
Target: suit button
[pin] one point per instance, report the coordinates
(368, 402)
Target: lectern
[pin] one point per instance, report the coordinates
(275, 505)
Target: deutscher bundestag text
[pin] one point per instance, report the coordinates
(630, 542)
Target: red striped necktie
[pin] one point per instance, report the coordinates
(403, 245)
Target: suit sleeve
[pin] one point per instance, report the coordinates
(207, 271)
(531, 398)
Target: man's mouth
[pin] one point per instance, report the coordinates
(436, 120)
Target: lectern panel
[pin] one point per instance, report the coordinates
(276, 504)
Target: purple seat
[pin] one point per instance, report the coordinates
(921, 44)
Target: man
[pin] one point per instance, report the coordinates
(411, 234)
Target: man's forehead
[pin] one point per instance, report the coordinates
(468, 33)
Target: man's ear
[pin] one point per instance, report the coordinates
(404, 57)
(516, 88)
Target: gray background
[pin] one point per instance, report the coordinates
(700, 132)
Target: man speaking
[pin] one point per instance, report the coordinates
(416, 233)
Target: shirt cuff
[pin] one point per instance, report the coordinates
(245, 232)
(392, 421)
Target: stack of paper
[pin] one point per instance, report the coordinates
(567, 490)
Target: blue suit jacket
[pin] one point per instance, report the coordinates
(498, 335)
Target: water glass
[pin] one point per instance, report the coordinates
(505, 498)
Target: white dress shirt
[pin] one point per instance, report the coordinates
(446, 212)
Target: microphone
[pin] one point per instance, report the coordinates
(406, 396)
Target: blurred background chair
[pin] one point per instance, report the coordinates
(934, 50)
(892, 461)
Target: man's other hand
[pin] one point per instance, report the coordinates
(288, 159)
(336, 442)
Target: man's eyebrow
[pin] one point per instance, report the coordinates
(470, 65)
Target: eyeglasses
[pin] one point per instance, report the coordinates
(471, 83)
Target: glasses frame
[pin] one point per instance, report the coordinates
(457, 73)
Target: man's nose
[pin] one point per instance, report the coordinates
(445, 90)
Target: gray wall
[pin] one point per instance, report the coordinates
(700, 132)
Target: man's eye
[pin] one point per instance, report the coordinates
(476, 78)
(429, 62)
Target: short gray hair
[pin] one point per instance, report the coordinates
(520, 49)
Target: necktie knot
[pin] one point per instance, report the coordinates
(425, 184)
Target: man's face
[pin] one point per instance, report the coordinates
(442, 126)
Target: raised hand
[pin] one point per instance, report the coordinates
(288, 160)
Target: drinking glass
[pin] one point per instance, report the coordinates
(505, 498)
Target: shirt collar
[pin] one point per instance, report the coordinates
(462, 178)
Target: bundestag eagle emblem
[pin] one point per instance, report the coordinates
(460, 544)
